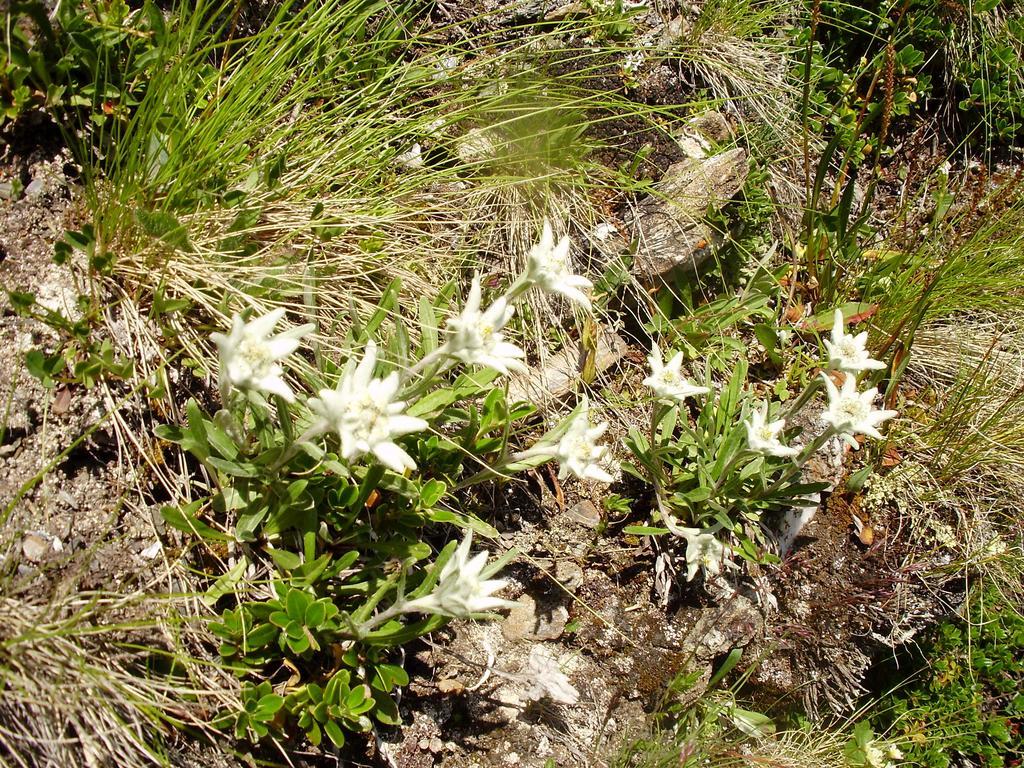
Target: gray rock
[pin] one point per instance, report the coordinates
(711, 125)
(733, 624)
(34, 547)
(585, 513)
(526, 622)
(557, 379)
(568, 574)
(35, 189)
(669, 225)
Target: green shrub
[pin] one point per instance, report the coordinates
(873, 63)
(90, 63)
(969, 699)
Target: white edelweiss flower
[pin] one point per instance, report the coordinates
(475, 338)
(847, 352)
(363, 412)
(250, 356)
(703, 550)
(460, 591)
(578, 452)
(763, 435)
(547, 265)
(877, 756)
(667, 380)
(547, 679)
(851, 412)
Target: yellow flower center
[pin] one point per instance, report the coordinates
(255, 354)
(851, 409)
(848, 348)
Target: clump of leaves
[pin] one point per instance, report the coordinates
(968, 700)
(90, 58)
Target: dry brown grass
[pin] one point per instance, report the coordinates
(98, 679)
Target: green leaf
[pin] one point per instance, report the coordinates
(467, 385)
(334, 733)
(355, 699)
(391, 676)
(195, 432)
(259, 637)
(315, 614)
(165, 227)
(284, 559)
(298, 645)
(268, 706)
(297, 602)
(245, 528)
(727, 666)
(374, 474)
(184, 519)
(431, 493)
(386, 710)
(428, 327)
(385, 308)
(852, 311)
(220, 441)
(752, 723)
(769, 339)
(314, 735)
(21, 301)
(232, 468)
(226, 583)
(644, 530)
(395, 633)
(856, 480)
(44, 367)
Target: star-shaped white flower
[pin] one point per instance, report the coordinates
(547, 265)
(578, 452)
(763, 435)
(851, 412)
(547, 680)
(847, 352)
(667, 380)
(703, 550)
(460, 592)
(475, 337)
(363, 412)
(250, 357)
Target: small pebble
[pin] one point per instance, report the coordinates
(35, 189)
(585, 513)
(152, 550)
(34, 547)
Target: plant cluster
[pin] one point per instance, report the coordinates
(967, 699)
(872, 64)
(86, 63)
(718, 476)
(334, 497)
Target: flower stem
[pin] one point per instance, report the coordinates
(425, 362)
(361, 630)
(520, 286)
(812, 387)
(809, 450)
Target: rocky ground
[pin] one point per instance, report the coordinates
(80, 499)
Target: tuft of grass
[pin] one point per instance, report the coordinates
(84, 680)
(269, 171)
(740, 51)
